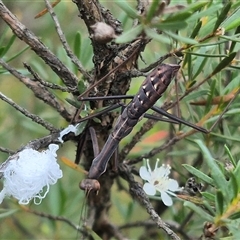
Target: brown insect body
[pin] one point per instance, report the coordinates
(150, 91)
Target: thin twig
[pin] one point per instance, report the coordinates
(24, 34)
(112, 71)
(44, 83)
(55, 218)
(39, 91)
(5, 150)
(63, 40)
(25, 112)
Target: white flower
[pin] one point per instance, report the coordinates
(158, 180)
(28, 172)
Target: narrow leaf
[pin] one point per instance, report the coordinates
(180, 16)
(236, 172)
(131, 12)
(224, 63)
(203, 214)
(198, 174)
(206, 12)
(129, 35)
(196, 29)
(177, 25)
(74, 103)
(232, 20)
(81, 87)
(158, 37)
(209, 196)
(17, 54)
(196, 6)
(216, 173)
(6, 213)
(72, 165)
(230, 156)
(81, 126)
(222, 15)
(232, 25)
(210, 208)
(219, 201)
(181, 38)
(10, 42)
(233, 186)
(233, 43)
(152, 10)
(235, 215)
(77, 45)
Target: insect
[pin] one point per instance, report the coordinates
(192, 187)
(150, 91)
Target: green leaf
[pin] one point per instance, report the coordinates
(232, 21)
(80, 128)
(232, 160)
(196, 30)
(152, 10)
(10, 42)
(81, 86)
(236, 172)
(219, 200)
(56, 199)
(181, 38)
(198, 174)
(193, 96)
(6, 212)
(209, 196)
(196, 6)
(74, 103)
(234, 227)
(234, 24)
(170, 25)
(224, 63)
(96, 120)
(17, 54)
(3, 35)
(222, 15)
(131, 12)
(210, 208)
(129, 35)
(233, 186)
(198, 66)
(180, 16)
(203, 214)
(92, 233)
(235, 215)
(233, 43)
(158, 37)
(77, 45)
(216, 173)
(208, 12)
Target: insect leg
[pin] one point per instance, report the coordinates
(180, 120)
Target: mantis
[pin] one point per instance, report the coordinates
(150, 91)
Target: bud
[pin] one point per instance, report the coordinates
(102, 32)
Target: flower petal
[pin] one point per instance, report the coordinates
(144, 174)
(167, 200)
(173, 185)
(149, 189)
